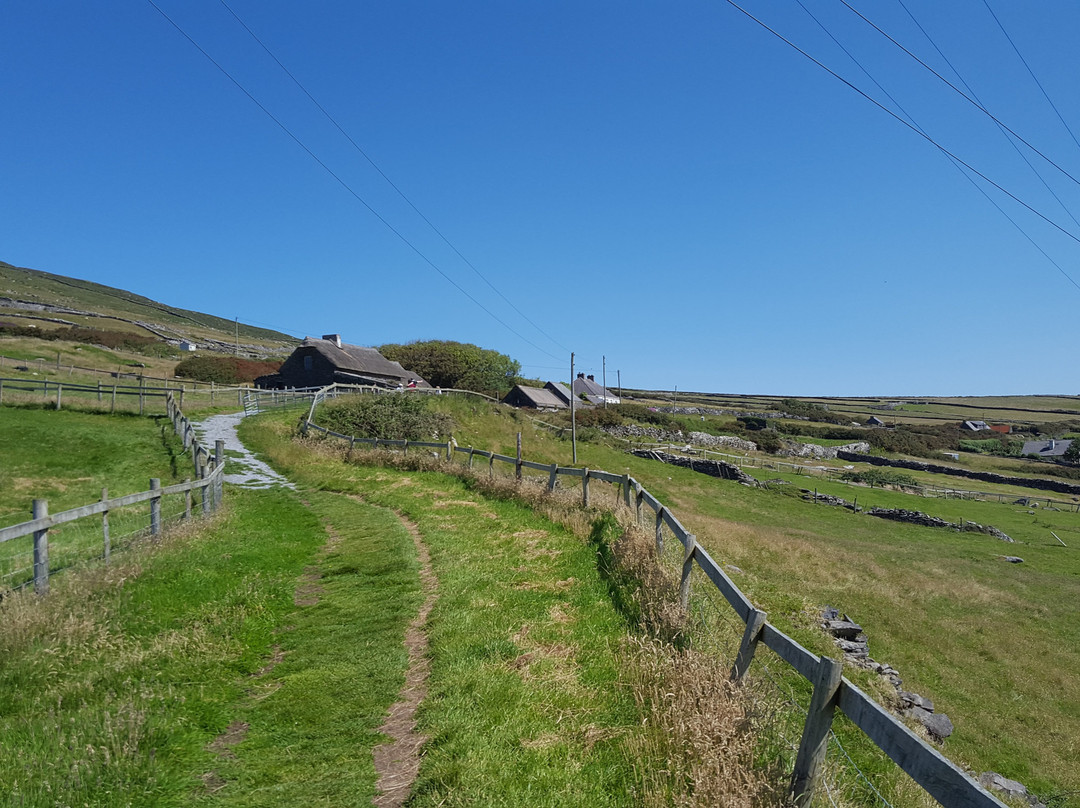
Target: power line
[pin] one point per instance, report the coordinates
(382, 174)
(914, 129)
(907, 115)
(951, 86)
(1032, 74)
(345, 185)
(1000, 128)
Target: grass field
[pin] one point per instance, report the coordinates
(995, 645)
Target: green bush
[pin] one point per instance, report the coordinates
(598, 417)
(645, 415)
(395, 416)
(460, 365)
(880, 477)
(224, 369)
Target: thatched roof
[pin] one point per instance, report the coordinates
(360, 360)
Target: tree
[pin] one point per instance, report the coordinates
(444, 363)
(1072, 454)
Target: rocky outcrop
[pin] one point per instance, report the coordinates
(714, 468)
(1010, 789)
(828, 499)
(795, 449)
(985, 476)
(678, 436)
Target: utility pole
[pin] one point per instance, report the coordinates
(237, 336)
(675, 399)
(604, 377)
(620, 384)
(573, 410)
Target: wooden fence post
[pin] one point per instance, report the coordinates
(187, 500)
(219, 453)
(207, 494)
(449, 450)
(1, 391)
(687, 568)
(41, 549)
(155, 507)
(626, 490)
(99, 391)
(585, 489)
(639, 497)
(749, 645)
(107, 542)
(808, 763)
(553, 477)
(470, 456)
(491, 466)
(517, 473)
(660, 531)
(112, 404)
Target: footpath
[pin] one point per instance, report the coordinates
(242, 468)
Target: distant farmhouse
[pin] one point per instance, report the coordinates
(187, 345)
(538, 398)
(1003, 429)
(596, 393)
(873, 420)
(1046, 448)
(319, 362)
(561, 391)
(976, 426)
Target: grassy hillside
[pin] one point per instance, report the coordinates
(996, 646)
(115, 306)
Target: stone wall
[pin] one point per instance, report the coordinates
(714, 468)
(985, 476)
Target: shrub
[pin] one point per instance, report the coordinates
(598, 417)
(642, 414)
(115, 340)
(881, 477)
(391, 416)
(752, 422)
(443, 363)
(224, 369)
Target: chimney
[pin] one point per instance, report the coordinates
(334, 338)
(591, 378)
(1053, 443)
(581, 375)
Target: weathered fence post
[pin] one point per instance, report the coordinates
(749, 645)
(639, 497)
(211, 394)
(449, 450)
(99, 391)
(815, 737)
(219, 453)
(553, 477)
(470, 456)
(585, 489)
(626, 490)
(660, 531)
(142, 392)
(59, 392)
(207, 494)
(187, 500)
(183, 387)
(687, 568)
(1, 391)
(155, 507)
(112, 404)
(107, 542)
(517, 472)
(491, 465)
(41, 549)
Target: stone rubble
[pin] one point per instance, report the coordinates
(920, 518)
(714, 468)
(852, 641)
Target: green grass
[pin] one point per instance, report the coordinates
(525, 706)
(115, 687)
(995, 645)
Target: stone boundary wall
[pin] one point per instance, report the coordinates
(1059, 486)
(714, 468)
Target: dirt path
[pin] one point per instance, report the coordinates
(397, 762)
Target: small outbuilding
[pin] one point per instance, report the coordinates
(187, 345)
(873, 420)
(561, 391)
(976, 426)
(537, 398)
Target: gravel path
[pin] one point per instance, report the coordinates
(253, 472)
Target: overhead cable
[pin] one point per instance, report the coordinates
(389, 181)
(346, 186)
(913, 128)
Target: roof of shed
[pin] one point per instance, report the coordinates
(1043, 448)
(539, 397)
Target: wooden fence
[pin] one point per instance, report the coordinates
(935, 773)
(209, 469)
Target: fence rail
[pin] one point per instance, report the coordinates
(210, 472)
(936, 774)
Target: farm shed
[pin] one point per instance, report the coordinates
(596, 393)
(1004, 429)
(560, 390)
(319, 362)
(976, 426)
(186, 345)
(1046, 448)
(535, 397)
(873, 420)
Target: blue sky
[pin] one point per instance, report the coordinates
(669, 185)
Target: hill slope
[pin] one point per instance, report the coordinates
(49, 298)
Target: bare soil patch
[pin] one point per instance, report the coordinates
(397, 762)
